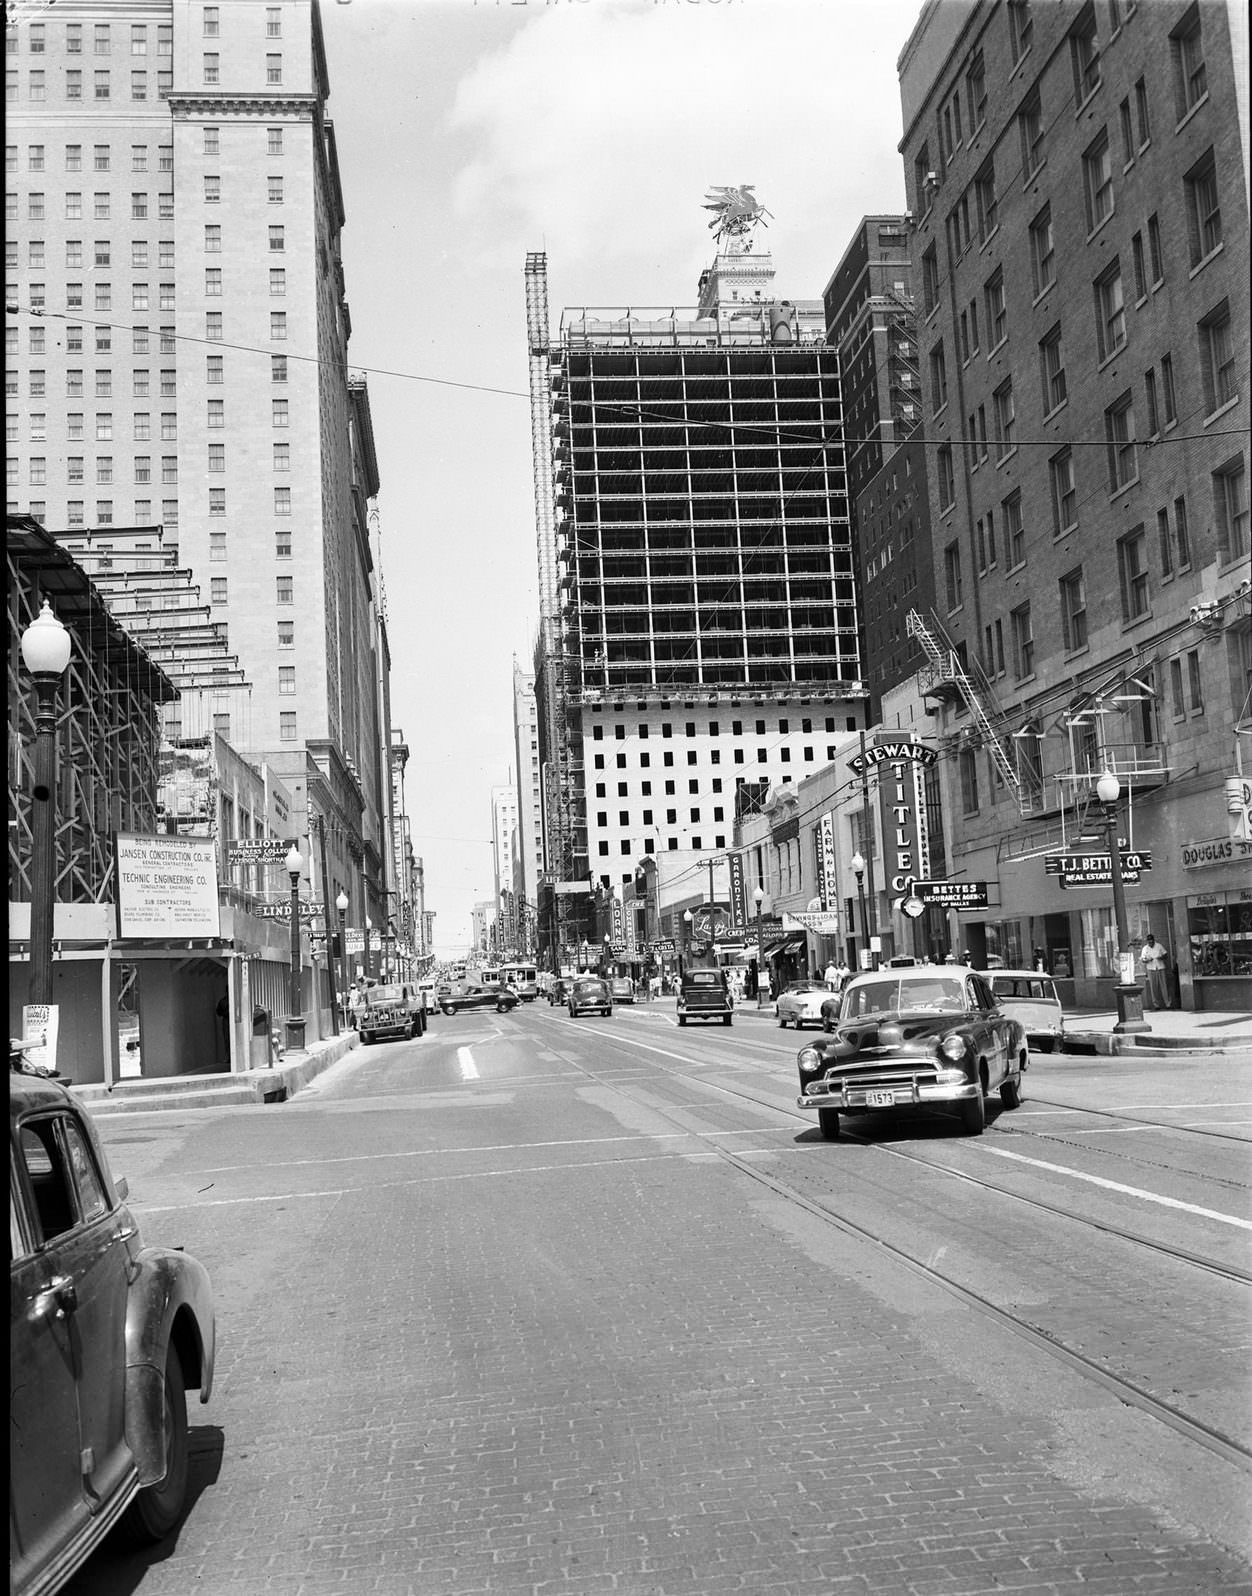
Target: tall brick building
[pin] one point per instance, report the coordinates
(1078, 178)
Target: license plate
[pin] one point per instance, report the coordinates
(880, 1099)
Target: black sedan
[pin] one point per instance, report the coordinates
(500, 998)
(932, 1035)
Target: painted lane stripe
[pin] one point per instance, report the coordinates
(469, 1070)
(1113, 1185)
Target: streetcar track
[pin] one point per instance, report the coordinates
(1127, 1391)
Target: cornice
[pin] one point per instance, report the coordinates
(262, 107)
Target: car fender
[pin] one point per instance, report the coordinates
(170, 1304)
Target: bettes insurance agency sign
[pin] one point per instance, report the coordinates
(167, 887)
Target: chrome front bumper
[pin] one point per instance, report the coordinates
(904, 1094)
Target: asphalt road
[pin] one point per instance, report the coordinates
(539, 1306)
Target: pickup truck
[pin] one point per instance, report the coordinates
(390, 1011)
(704, 995)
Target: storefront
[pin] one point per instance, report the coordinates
(1219, 922)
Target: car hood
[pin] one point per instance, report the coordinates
(892, 1030)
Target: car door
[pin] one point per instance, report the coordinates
(992, 1025)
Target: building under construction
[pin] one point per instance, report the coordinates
(698, 626)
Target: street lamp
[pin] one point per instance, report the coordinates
(369, 926)
(341, 903)
(295, 1003)
(688, 917)
(1126, 989)
(858, 870)
(762, 997)
(46, 651)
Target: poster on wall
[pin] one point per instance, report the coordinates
(166, 887)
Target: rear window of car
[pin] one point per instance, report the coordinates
(1033, 987)
(703, 978)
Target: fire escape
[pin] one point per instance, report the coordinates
(945, 676)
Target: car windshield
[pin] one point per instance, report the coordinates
(907, 994)
(384, 994)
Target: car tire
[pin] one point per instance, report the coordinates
(157, 1508)
(1048, 1046)
(682, 1019)
(502, 1008)
(973, 1114)
(828, 1123)
(782, 1022)
(1011, 1091)
(727, 1018)
(447, 1008)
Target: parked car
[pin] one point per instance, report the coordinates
(106, 1337)
(590, 995)
(1030, 996)
(474, 996)
(622, 989)
(800, 1003)
(395, 1010)
(558, 991)
(931, 1036)
(704, 995)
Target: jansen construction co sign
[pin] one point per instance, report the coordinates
(166, 887)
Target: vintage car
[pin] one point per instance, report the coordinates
(705, 995)
(800, 1003)
(589, 995)
(393, 1010)
(622, 989)
(1030, 996)
(106, 1337)
(558, 990)
(474, 996)
(928, 1037)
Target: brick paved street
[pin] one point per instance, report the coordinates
(521, 1340)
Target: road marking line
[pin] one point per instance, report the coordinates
(1113, 1185)
(469, 1070)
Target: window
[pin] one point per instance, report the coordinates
(138, 39)
(1217, 359)
(1006, 419)
(1150, 399)
(947, 477)
(143, 468)
(141, 384)
(996, 308)
(1141, 276)
(1165, 543)
(278, 325)
(984, 543)
(1119, 431)
(74, 425)
(1023, 642)
(212, 23)
(274, 141)
(213, 282)
(101, 80)
(1014, 530)
(282, 501)
(74, 469)
(212, 141)
(212, 190)
(217, 457)
(930, 280)
(1141, 113)
(287, 681)
(274, 190)
(276, 238)
(1042, 251)
(1195, 683)
(1204, 212)
(273, 69)
(976, 91)
(278, 412)
(952, 575)
(1030, 131)
(213, 239)
(1182, 536)
(1052, 370)
(217, 501)
(104, 512)
(1064, 492)
(73, 84)
(1190, 76)
(286, 634)
(273, 22)
(169, 425)
(1073, 592)
(1178, 703)
(1097, 177)
(968, 763)
(938, 378)
(282, 457)
(1085, 55)
(278, 368)
(215, 370)
(284, 590)
(1110, 307)
(1230, 505)
(35, 208)
(169, 468)
(1132, 569)
(143, 426)
(985, 195)
(218, 590)
(1154, 250)
(1128, 133)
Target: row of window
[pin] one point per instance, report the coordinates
(736, 728)
(629, 849)
(37, 423)
(75, 468)
(102, 155)
(215, 376)
(75, 512)
(738, 756)
(287, 732)
(101, 39)
(101, 85)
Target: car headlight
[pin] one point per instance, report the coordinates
(809, 1059)
(953, 1046)
(949, 1077)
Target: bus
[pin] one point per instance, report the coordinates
(523, 978)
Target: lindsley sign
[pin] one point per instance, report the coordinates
(1096, 869)
(952, 894)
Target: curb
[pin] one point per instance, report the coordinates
(1107, 1045)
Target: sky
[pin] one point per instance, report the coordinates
(471, 132)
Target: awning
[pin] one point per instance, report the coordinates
(787, 944)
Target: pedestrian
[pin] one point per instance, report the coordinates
(831, 976)
(842, 973)
(1155, 961)
(1040, 961)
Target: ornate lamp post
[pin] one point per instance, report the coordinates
(341, 903)
(688, 917)
(46, 651)
(369, 926)
(762, 997)
(858, 870)
(295, 1002)
(1126, 989)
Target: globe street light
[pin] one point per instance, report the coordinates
(1126, 989)
(341, 903)
(758, 897)
(369, 926)
(46, 651)
(295, 1004)
(858, 870)
(688, 917)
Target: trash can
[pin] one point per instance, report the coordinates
(260, 1055)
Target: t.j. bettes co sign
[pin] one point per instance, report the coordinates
(900, 763)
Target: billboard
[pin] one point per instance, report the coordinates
(166, 887)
